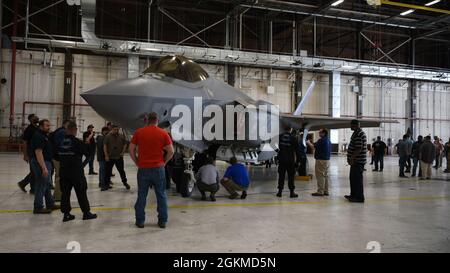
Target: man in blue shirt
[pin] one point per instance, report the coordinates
(322, 154)
(236, 179)
(56, 138)
(41, 163)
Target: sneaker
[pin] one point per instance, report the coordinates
(21, 186)
(68, 217)
(317, 194)
(139, 225)
(161, 224)
(89, 216)
(293, 195)
(42, 211)
(243, 195)
(234, 195)
(127, 186)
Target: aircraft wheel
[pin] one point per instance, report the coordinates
(187, 183)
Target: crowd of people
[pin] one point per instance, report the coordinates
(62, 154)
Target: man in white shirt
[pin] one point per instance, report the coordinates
(208, 179)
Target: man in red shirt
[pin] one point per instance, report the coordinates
(150, 149)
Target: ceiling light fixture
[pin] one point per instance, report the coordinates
(407, 12)
(337, 3)
(432, 3)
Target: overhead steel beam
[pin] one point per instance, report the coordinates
(33, 13)
(319, 10)
(411, 6)
(431, 33)
(171, 17)
(395, 48)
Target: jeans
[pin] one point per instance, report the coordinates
(379, 159)
(119, 166)
(29, 179)
(151, 177)
(102, 174)
(356, 182)
(402, 162)
(42, 186)
(90, 160)
(416, 163)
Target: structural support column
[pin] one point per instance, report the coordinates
(334, 102)
(133, 66)
(67, 97)
(359, 96)
(411, 108)
(13, 70)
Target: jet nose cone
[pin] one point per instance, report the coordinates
(123, 101)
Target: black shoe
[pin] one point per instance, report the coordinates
(354, 200)
(21, 186)
(374, 170)
(89, 216)
(234, 195)
(243, 195)
(293, 195)
(212, 197)
(347, 197)
(139, 225)
(104, 189)
(126, 186)
(326, 194)
(317, 194)
(279, 194)
(403, 176)
(55, 207)
(42, 211)
(203, 197)
(93, 173)
(68, 217)
(161, 224)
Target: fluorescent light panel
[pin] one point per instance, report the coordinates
(407, 12)
(337, 3)
(432, 3)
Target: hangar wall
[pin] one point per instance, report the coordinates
(382, 98)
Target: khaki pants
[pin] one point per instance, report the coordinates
(57, 191)
(321, 170)
(231, 186)
(426, 169)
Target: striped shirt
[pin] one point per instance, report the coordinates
(358, 141)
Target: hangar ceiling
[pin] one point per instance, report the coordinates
(350, 30)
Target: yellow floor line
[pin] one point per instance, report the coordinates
(259, 204)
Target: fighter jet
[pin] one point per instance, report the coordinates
(174, 81)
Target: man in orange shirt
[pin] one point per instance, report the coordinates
(154, 151)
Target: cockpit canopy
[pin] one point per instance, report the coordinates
(178, 67)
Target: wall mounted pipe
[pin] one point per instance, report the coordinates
(24, 105)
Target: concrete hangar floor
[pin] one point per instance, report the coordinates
(400, 215)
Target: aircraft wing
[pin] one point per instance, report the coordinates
(317, 122)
